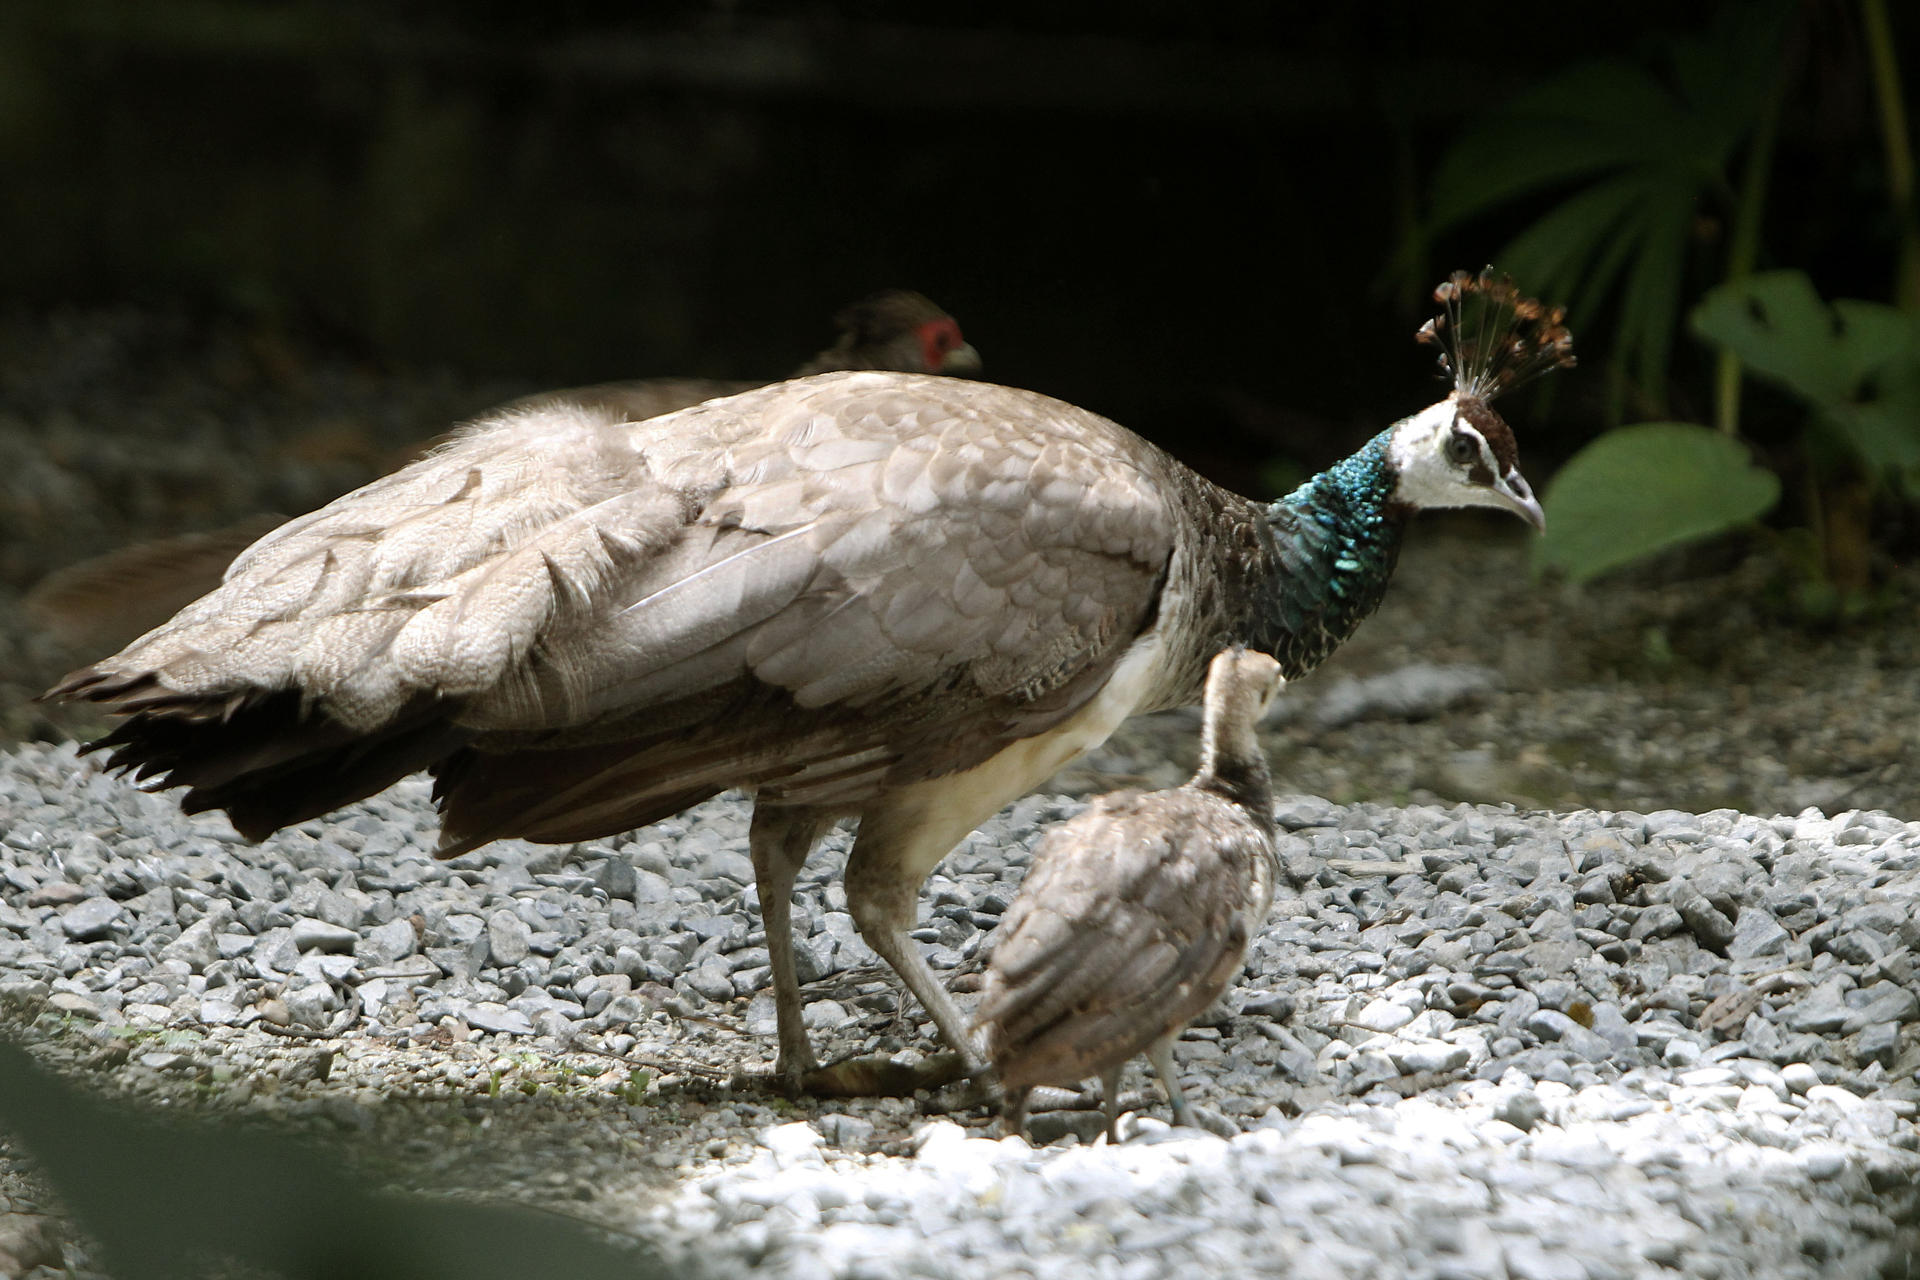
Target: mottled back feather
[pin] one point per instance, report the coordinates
(880, 578)
(1134, 918)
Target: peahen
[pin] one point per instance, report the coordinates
(901, 598)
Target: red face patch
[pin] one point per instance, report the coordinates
(938, 338)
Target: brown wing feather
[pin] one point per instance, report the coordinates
(861, 563)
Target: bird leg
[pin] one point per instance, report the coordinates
(1015, 1113)
(1110, 1100)
(779, 841)
(881, 898)
(1160, 1054)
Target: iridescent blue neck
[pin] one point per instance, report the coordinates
(1361, 484)
(1331, 551)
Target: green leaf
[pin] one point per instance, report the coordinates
(1884, 428)
(1639, 489)
(1591, 119)
(1650, 307)
(1553, 253)
(1639, 148)
(1780, 328)
(1855, 363)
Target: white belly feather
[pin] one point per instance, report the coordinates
(924, 820)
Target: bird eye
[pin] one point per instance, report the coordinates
(1462, 449)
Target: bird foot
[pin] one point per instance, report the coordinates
(788, 1077)
(964, 1090)
(873, 1075)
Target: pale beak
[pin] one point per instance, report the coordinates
(1517, 496)
(960, 362)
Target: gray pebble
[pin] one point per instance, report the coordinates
(311, 1005)
(386, 944)
(1756, 933)
(92, 920)
(1480, 963)
(508, 938)
(1879, 1043)
(56, 893)
(1429, 1055)
(1799, 1076)
(320, 935)
(488, 1015)
(1881, 1002)
(1660, 920)
(196, 946)
(1520, 1108)
(1384, 1015)
(1297, 812)
(1708, 923)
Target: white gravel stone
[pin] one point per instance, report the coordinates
(1384, 1015)
(320, 935)
(1799, 1077)
(1429, 1055)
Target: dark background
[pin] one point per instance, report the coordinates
(1192, 217)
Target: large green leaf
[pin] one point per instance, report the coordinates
(1637, 148)
(1592, 118)
(1779, 326)
(1855, 363)
(1639, 489)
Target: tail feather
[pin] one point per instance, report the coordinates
(265, 758)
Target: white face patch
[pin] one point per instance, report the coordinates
(1443, 461)
(1429, 476)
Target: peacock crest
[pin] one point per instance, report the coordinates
(1492, 339)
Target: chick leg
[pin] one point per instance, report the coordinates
(1110, 1100)
(1015, 1114)
(1160, 1054)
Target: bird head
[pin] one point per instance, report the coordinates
(1460, 452)
(1241, 685)
(899, 329)
(1239, 676)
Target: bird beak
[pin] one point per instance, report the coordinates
(961, 362)
(1517, 496)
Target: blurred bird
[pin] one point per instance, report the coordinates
(901, 598)
(1136, 914)
(107, 600)
(893, 329)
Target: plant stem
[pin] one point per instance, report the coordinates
(1899, 148)
(1744, 248)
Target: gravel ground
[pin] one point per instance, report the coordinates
(1610, 1023)
(1471, 1041)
